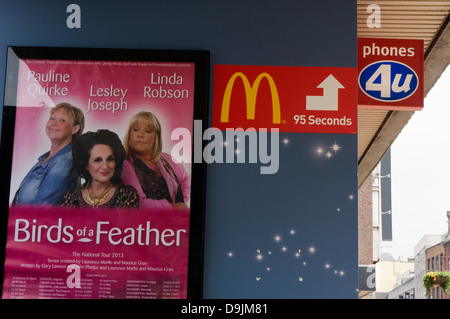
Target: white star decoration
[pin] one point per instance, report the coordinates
(312, 250)
(269, 257)
(335, 147)
(329, 154)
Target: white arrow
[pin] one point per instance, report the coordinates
(329, 100)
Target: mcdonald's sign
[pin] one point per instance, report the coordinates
(251, 92)
(292, 99)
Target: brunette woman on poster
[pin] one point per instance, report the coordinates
(53, 175)
(98, 158)
(159, 180)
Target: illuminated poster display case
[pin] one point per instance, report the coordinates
(77, 121)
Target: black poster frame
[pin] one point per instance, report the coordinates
(201, 100)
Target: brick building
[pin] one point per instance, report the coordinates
(365, 223)
(438, 259)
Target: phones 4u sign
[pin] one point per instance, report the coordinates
(390, 74)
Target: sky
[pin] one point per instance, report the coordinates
(420, 160)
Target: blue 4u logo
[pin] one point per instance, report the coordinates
(388, 81)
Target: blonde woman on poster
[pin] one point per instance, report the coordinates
(160, 181)
(53, 175)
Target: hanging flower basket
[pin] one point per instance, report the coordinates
(438, 278)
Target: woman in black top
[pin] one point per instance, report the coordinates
(98, 159)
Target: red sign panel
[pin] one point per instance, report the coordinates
(292, 99)
(390, 74)
(109, 254)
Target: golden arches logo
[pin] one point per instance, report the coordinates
(251, 92)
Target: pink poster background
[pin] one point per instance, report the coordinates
(121, 254)
(38, 268)
(36, 96)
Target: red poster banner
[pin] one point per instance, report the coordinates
(291, 99)
(103, 254)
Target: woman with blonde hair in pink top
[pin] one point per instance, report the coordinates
(160, 181)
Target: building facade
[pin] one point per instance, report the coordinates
(420, 262)
(438, 259)
(395, 279)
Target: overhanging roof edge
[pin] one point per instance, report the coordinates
(437, 58)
